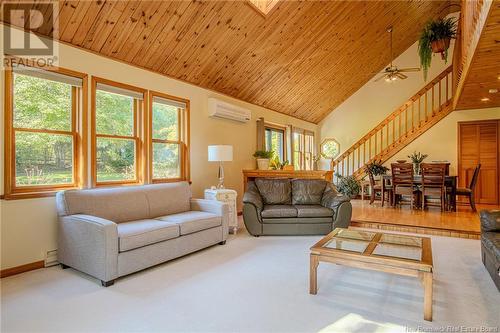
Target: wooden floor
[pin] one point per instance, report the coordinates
(463, 223)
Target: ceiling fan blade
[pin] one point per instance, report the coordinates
(414, 69)
(379, 78)
(401, 76)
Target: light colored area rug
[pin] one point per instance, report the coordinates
(254, 285)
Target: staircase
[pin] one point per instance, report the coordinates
(422, 111)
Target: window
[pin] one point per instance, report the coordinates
(169, 144)
(303, 149)
(116, 136)
(275, 141)
(330, 148)
(42, 131)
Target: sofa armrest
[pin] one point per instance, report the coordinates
(215, 207)
(89, 244)
(253, 197)
(332, 199)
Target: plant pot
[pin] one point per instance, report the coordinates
(263, 163)
(440, 46)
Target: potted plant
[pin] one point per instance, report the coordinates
(435, 38)
(276, 164)
(348, 185)
(263, 159)
(376, 168)
(416, 159)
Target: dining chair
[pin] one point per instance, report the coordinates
(470, 191)
(384, 191)
(403, 183)
(433, 187)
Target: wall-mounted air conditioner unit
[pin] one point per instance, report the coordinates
(220, 109)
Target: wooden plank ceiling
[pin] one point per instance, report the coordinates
(302, 58)
(484, 72)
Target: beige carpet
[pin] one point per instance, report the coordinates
(254, 285)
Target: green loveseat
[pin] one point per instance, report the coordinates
(294, 207)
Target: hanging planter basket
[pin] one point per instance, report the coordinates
(441, 46)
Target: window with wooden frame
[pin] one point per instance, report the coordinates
(45, 112)
(275, 140)
(116, 133)
(303, 149)
(168, 138)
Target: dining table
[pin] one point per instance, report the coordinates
(450, 182)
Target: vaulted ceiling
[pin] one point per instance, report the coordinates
(303, 58)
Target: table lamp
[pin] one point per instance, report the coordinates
(220, 153)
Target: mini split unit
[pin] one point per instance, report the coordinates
(220, 109)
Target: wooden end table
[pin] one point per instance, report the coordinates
(385, 252)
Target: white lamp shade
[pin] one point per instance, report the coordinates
(220, 153)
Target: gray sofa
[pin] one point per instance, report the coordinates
(112, 232)
(294, 207)
(490, 243)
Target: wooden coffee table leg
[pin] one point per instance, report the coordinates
(313, 274)
(427, 281)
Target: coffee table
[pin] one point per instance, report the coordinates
(385, 252)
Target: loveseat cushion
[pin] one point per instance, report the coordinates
(490, 220)
(275, 191)
(313, 211)
(193, 221)
(307, 191)
(135, 234)
(272, 211)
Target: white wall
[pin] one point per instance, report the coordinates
(368, 106)
(28, 227)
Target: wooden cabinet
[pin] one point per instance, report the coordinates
(478, 143)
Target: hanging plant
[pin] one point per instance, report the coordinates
(435, 38)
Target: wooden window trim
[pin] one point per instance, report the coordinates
(184, 139)
(136, 135)
(280, 128)
(78, 129)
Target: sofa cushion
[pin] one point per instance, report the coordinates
(134, 234)
(490, 220)
(279, 211)
(275, 191)
(193, 221)
(170, 198)
(491, 241)
(313, 211)
(307, 191)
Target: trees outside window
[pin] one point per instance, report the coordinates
(169, 138)
(42, 137)
(275, 141)
(116, 110)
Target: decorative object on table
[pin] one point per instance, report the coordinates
(263, 158)
(376, 168)
(470, 192)
(276, 164)
(435, 38)
(220, 153)
(392, 72)
(348, 185)
(227, 196)
(416, 159)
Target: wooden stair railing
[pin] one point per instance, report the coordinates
(422, 111)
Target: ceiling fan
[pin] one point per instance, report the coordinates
(392, 73)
